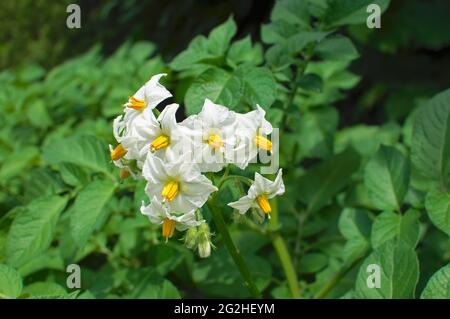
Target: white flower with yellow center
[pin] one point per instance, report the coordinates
(150, 135)
(252, 131)
(178, 183)
(259, 194)
(159, 213)
(146, 98)
(121, 157)
(213, 134)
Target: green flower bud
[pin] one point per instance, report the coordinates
(190, 239)
(204, 242)
(204, 248)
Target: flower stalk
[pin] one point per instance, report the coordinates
(283, 253)
(233, 251)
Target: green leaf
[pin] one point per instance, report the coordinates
(438, 287)
(296, 43)
(220, 37)
(337, 49)
(430, 149)
(399, 272)
(386, 177)
(292, 12)
(317, 187)
(44, 289)
(215, 84)
(87, 209)
(311, 82)
(149, 284)
(32, 230)
(388, 226)
(437, 204)
(43, 181)
(73, 175)
(277, 31)
(196, 52)
(10, 282)
(84, 150)
(354, 225)
(18, 162)
(312, 263)
(315, 133)
(342, 12)
(216, 275)
(242, 52)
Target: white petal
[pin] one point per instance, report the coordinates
(154, 170)
(277, 187)
(156, 211)
(262, 184)
(243, 204)
(140, 94)
(186, 221)
(264, 125)
(155, 93)
(168, 119)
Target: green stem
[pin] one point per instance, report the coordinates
(243, 179)
(283, 254)
(233, 251)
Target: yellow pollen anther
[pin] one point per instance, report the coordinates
(215, 141)
(118, 152)
(264, 204)
(159, 143)
(170, 190)
(135, 103)
(264, 143)
(168, 228)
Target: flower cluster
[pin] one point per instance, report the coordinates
(172, 157)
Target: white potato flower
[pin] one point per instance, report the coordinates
(126, 154)
(259, 194)
(213, 134)
(161, 135)
(160, 213)
(252, 133)
(146, 98)
(147, 135)
(178, 183)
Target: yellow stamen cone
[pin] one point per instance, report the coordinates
(264, 204)
(168, 228)
(118, 152)
(170, 190)
(159, 143)
(136, 104)
(263, 143)
(215, 141)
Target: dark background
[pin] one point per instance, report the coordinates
(406, 59)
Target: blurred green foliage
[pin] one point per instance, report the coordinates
(365, 145)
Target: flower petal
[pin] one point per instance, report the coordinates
(155, 93)
(243, 204)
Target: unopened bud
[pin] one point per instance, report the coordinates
(258, 216)
(204, 248)
(204, 242)
(124, 173)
